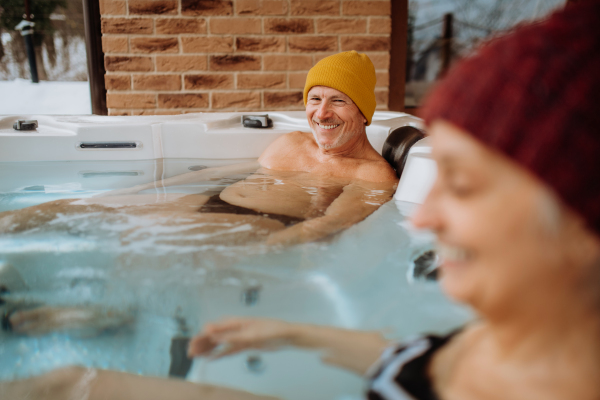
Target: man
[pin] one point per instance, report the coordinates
(326, 181)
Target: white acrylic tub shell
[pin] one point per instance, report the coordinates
(201, 135)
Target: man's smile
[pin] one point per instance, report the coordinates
(326, 126)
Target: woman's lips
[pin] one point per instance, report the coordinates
(453, 255)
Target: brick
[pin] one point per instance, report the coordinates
(342, 25)
(113, 7)
(130, 100)
(235, 25)
(181, 63)
(311, 44)
(156, 112)
(113, 111)
(383, 79)
(211, 44)
(114, 44)
(208, 81)
(380, 25)
(182, 100)
(315, 7)
(235, 100)
(117, 82)
(127, 25)
(296, 80)
(380, 60)
(260, 7)
(367, 7)
(272, 44)
(381, 96)
(152, 7)
(154, 45)
(287, 62)
(261, 81)
(288, 25)
(127, 63)
(174, 26)
(365, 43)
(157, 82)
(206, 7)
(234, 63)
(283, 99)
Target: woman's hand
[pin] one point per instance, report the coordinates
(349, 349)
(239, 334)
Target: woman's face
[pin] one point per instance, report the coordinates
(502, 237)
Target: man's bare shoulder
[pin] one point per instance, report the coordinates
(376, 171)
(284, 147)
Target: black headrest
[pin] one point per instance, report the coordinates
(397, 145)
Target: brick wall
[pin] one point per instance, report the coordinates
(175, 56)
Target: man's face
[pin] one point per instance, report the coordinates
(333, 117)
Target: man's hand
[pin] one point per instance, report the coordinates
(306, 231)
(239, 334)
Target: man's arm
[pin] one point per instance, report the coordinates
(207, 174)
(358, 200)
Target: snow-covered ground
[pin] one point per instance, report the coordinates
(24, 97)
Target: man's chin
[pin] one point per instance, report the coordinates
(328, 145)
(325, 144)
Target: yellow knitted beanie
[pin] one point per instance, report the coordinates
(349, 72)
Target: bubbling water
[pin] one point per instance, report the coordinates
(143, 271)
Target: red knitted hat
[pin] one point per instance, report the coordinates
(535, 96)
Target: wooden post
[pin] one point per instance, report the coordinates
(27, 16)
(95, 56)
(447, 36)
(397, 71)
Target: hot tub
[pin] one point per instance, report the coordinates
(361, 278)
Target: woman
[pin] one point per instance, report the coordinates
(515, 132)
(516, 207)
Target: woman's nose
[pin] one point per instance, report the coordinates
(427, 216)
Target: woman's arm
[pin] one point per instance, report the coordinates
(352, 350)
(92, 384)
(190, 177)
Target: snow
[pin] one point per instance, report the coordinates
(21, 96)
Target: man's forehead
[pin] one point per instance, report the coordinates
(328, 91)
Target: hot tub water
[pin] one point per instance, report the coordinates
(356, 279)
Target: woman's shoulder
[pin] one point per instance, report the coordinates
(443, 363)
(404, 372)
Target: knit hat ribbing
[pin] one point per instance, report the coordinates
(534, 95)
(349, 72)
